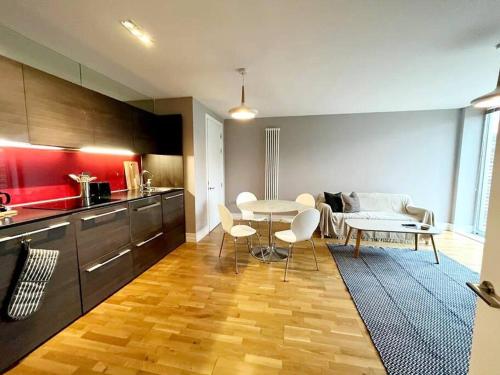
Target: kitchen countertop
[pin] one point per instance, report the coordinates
(27, 215)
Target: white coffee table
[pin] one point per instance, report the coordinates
(363, 225)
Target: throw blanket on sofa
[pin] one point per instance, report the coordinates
(374, 206)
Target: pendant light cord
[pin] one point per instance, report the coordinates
(243, 87)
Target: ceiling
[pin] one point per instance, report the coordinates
(303, 57)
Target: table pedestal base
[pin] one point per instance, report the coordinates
(269, 253)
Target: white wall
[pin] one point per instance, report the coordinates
(400, 152)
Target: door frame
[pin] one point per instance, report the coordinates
(207, 117)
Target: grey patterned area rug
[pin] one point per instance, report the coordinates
(419, 314)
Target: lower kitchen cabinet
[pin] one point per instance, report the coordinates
(173, 220)
(61, 303)
(105, 276)
(174, 238)
(101, 250)
(101, 231)
(104, 252)
(147, 232)
(148, 251)
(145, 218)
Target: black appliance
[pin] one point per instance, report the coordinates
(3, 201)
(100, 190)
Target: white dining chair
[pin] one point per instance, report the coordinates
(247, 215)
(235, 231)
(306, 199)
(302, 229)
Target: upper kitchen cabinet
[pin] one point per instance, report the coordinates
(57, 110)
(169, 129)
(157, 134)
(13, 122)
(111, 121)
(144, 132)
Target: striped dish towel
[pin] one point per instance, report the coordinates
(30, 286)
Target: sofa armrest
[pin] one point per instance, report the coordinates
(423, 214)
(325, 218)
(323, 206)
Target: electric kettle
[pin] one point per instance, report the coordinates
(4, 199)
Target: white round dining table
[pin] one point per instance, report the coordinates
(271, 253)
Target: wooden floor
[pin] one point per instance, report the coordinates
(190, 314)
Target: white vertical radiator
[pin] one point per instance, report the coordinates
(272, 163)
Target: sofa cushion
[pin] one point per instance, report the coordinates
(384, 202)
(334, 201)
(351, 202)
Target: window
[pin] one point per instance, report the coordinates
(492, 120)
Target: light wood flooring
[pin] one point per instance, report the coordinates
(190, 314)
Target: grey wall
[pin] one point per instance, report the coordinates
(468, 169)
(398, 152)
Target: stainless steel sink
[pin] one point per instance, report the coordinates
(161, 189)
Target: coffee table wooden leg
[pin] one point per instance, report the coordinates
(348, 236)
(436, 254)
(358, 242)
(416, 241)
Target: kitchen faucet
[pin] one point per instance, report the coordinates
(146, 186)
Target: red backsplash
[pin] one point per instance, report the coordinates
(30, 175)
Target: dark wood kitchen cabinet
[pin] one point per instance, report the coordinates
(169, 134)
(105, 275)
(147, 232)
(173, 220)
(43, 109)
(57, 110)
(101, 250)
(13, 121)
(61, 303)
(111, 121)
(154, 134)
(100, 231)
(104, 254)
(145, 136)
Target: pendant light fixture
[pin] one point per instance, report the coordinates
(491, 99)
(242, 112)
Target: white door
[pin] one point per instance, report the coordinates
(215, 170)
(486, 340)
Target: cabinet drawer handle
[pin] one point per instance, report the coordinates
(149, 239)
(59, 225)
(148, 207)
(174, 196)
(86, 218)
(99, 265)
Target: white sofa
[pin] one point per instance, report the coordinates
(373, 206)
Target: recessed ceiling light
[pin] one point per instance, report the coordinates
(137, 31)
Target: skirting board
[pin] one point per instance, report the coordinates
(195, 237)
